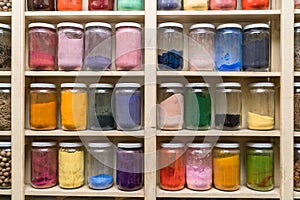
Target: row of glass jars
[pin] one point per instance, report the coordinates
(74, 48)
(199, 166)
(66, 166)
(228, 48)
(102, 105)
(192, 109)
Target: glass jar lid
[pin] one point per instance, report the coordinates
(172, 145)
(101, 85)
(5, 26)
(43, 144)
(98, 24)
(42, 85)
(69, 24)
(199, 145)
(99, 144)
(202, 25)
(130, 85)
(229, 84)
(5, 85)
(170, 24)
(5, 144)
(297, 145)
(297, 84)
(199, 85)
(43, 25)
(227, 145)
(170, 85)
(260, 145)
(229, 25)
(70, 144)
(128, 24)
(73, 85)
(296, 25)
(261, 84)
(257, 25)
(130, 145)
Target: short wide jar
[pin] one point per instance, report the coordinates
(5, 110)
(223, 4)
(195, 4)
(101, 5)
(169, 4)
(130, 4)
(255, 4)
(67, 5)
(42, 5)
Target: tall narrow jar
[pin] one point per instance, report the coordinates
(5, 47)
(6, 165)
(5, 109)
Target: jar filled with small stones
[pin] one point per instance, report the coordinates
(297, 166)
(5, 5)
(5, 164)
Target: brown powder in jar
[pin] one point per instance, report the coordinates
(5, 111)
(297, 111)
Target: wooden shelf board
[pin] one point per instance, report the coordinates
(296, 195)
(83, 191)
(84, 73)
(5, 191)
(5, 73)
(5, 133)
(297, 74)
(221, 74)
(243, 192)
(297, 133)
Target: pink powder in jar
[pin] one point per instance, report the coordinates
(297, 4)
(223, 4)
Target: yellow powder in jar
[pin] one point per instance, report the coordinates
(71, 169)
(260, 122)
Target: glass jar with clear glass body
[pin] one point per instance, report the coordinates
(171, 106)
(228, 47)
(128, 106)
(70, 46)
(5, 47)
(256, 47)
(261, 106)
(5, 109)
(169, 4)
(198, 166)
(228, 105)
(255, 4)
(130, 166)
(42, 42)
(297, 106)
(100, 165)
(260, 166)
(100, 107)
(202, 47)
(70, 164)
(41, 5)
(98, 46)
(226, 166)
(297, 46)
(128, 46)
(43, 106)
(223, 4)
(170, 46)
(6, 165)
(195, 4)
(297, 166)
(73, 106)
(172, 168)
(130, 4)
(69, 5)
(43, 164)
(197, 106)
(101, 5)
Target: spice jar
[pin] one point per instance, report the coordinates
(5, 47)
(297, 106)
(202, 47)
(43, 106)
(296, 4)
(101, 5)
(70, 46)
(297, 166)
(195, 4)
(169, 4)
(228, 102)
(170, 46)
(226, 166)
(197, 106)
(255, 4)
(69, 5)
(98, 46)
(70, 164)
(297, 46)
(130, 4)
(172, 171)
(228, 47)
(256, 47)
(171, 106)
(260, 166)
(42, 40)
(261, 106)
(198, 166)
(100, 165)
(43, 164)
(5, 163)
(73, 106)
(223, 4)
(128, 46)
(100, 109)
(130, 166)
(5, 109)
(42, 5)
(128, 106)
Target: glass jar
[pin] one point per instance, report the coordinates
(260, 166)
(169, 4)
(197, 106)
(226, 166)
(228, 47)
(170, 46)
(70, 164)
(101, 5)
(5, 47)
(172, 169)
(195, 4)
(223, 4)
(297, 46)
(42, 40)
(255, 4)
(100, 107)
(70, 46)
(198, 166)
(130, 166)
(43, 106)
(5, 109)
(261, 106)
(297, 4)
(69, 5)
(43, 164)
(100, 165)
(42, 5)
(128, 46)
(98, 46)
(202, 47)
(73, 106)
(297, 107)
(171, 106)
(130, 4)
(228, 102)
(297, 166)
(6, 165)
(128, 106)
(256, 47)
